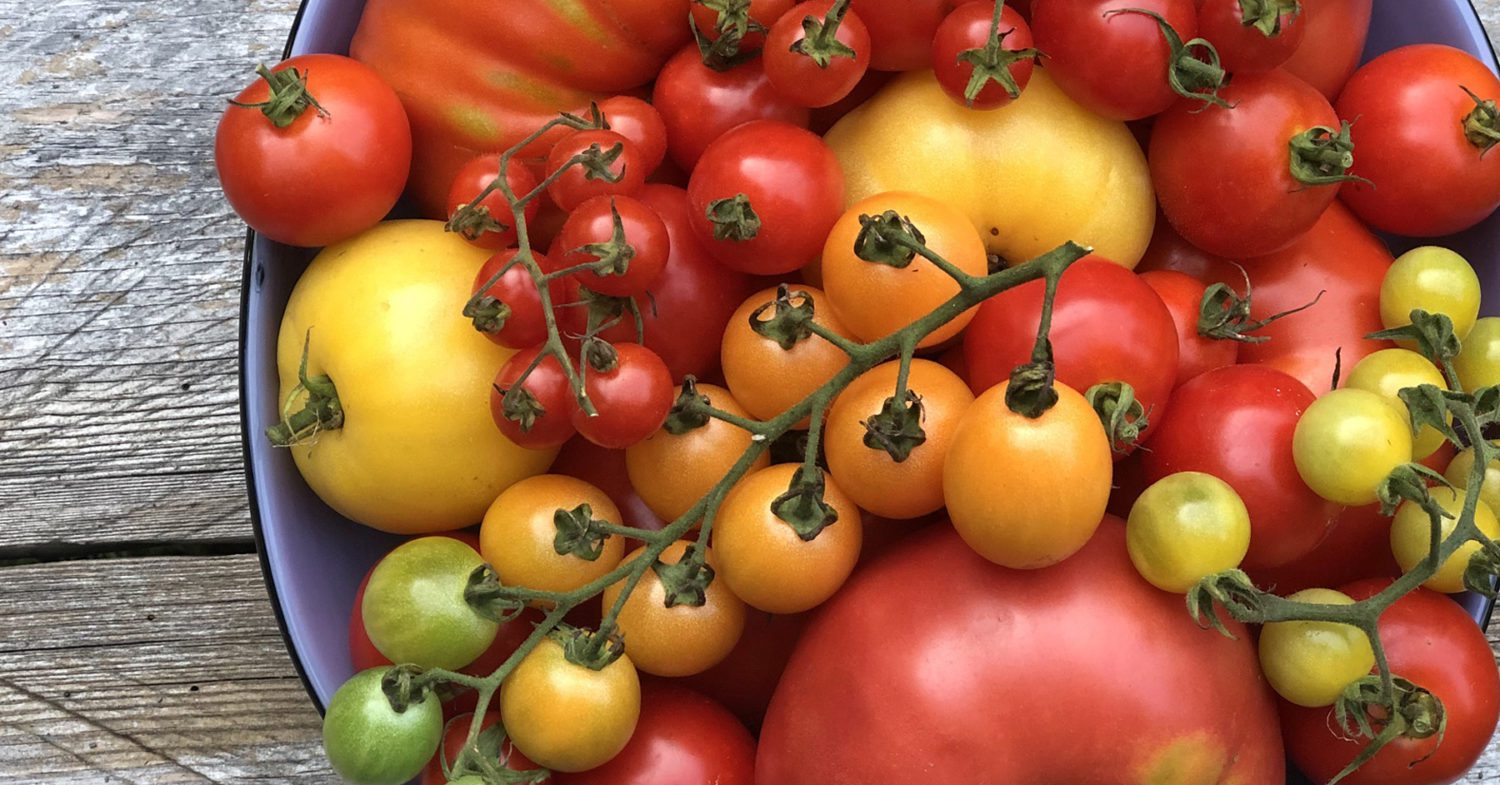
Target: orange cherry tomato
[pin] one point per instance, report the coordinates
(684, 639)
(671, 472)
(520, 529)
(767, 379)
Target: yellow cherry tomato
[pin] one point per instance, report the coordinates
(874, 299)
(1186, 527)
(520, 531)
(1462, 466)
(1386, 373)
(763, 558)
(1311, 662)
(1347, 442)
(767, 379)
(1478, 363)
(381, 314)
(1031, 177)
(1435, 280)
(1411, 538)
(671, 472)
(684, 639)
(568, 717)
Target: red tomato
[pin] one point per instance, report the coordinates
(1344, 261)
(744, 681)
(1183, 296)
(1045, 645)
(1114, 64)
(330, 171)
(632, 398)
(698, 104)
(764, 13)
(682, 738)
(1252, 203)
(1429, 175)
(1333, 43)
(492, 224)
(793, 193)
(1097, 303)
(524, 322)
(901, 31)
(454, 736)
(1236, 423)
(642, 231)
(604, 469)
(1358, 547)
(1168, 251)
(574, 187)
(801, 78)
(968, 27)
(1431, 641)
(824, 118)
(639, 122)
(550, 391)
(1247, 48)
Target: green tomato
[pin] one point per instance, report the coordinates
(1411, 538)
(1478, 364)
(1458, 473)
(1186, 527)
(1347, 442)
(370, 743)
(1434, 279)
(414, 606)
(1386, 373)
(1310, 663)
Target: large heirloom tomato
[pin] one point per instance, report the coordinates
(1083, 672)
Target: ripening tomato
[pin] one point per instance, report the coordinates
(521, 530)
(812, 72)
(968, 28)
(1332, 44)
(699, 104)
(672, 471)
(544, 700)
(1435, 280)
(540, 415)
(639, 122)
(1186, 527)
(414, 607)
(1309, 663)
(682, 738)
(1255, 41)
(1197, 353)
(1478, 363)
(1347, 442)
(1411, 538)
(491, 224)
(453, 743)
(682, 639)
(764, 377)
(1386, 373)
(632, 395)
(510, 312)
(588, 237)
(901, 31)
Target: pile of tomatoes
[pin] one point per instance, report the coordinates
(912, 578)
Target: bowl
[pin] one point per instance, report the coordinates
(313, 559)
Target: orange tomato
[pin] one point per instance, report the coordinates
(767, 379)
(684, 639)
(671, 472)
(519, 531)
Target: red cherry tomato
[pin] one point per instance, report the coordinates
(632, 398)
(968, 27)
(901, 31)
(781, 183)
(574, 187)
(699, 104)
(549, 389)
(454, 735)
(494, 226)
(327, 175)
(1358, 547)
(1168, 251)
(1332, 44)
(524, 322)
(642, 233)
(709, 19)
(1246, 48)
(1183, 296)
(797, 75)
(682, 738)
(639, 122)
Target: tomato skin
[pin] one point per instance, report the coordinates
(1430, 640)
(632, 398)
(1169, 251)
(453, 743)
(370, 743)
(1358, 546)
(639, 122)
(1478, 363)
(473, 178)
(606, 470)
(593, 222)
(900, 31)
(1218, 421)
(684, 639)
(527, 323)
(1348, 441)
(548, 383)
(1332, 44)
(414, 608)
(518, 534)
(1184, 528)
(798, 77)
(1386, 373)
(682, 738)
(968, 27)
(699, 104)
(766, 379)
(574, 188)
(1244, 49)
(1183, 296)
(744, 681)
(1436, 280)
(349, 165)
(1016, 637)
(543, 699)
(1115, 65)
(671, 472)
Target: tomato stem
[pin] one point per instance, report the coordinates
(1266, 15)
(819, 39)
(1193, 68)
(322, 411)
(992, 62)
(289, 96)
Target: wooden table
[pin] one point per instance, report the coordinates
(137, 644)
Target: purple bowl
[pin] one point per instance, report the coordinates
(313, 558)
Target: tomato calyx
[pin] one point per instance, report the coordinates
(819, 39)
(1409, 712)
(690, 411)
(289, 96)
(733, 218)
(471, 221)
(802, 507)
(402, 688)
(587, 648)
(488, 313)
(788, 323)
(1231, 589)
(1482, 126)
(1432, 333)
(520, 406)
(598, 355)
(897, 427)
(889, 238)
(1194, 70)
(1483, 570)
(488, 598)
(1030, 393)
(596, 163)
(322, 410)
(1410, 482)
(578, 533)
(1322, 156)
(1225, 315)
(687, 581)
(613, 255)
(1266, 15)
(992, 62)
(1124, 418)
(732, 24)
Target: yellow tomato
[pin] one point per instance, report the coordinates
(1032, 176)
(1458, 473)
(1311, 662)
(1411, 538)
(1348, 442)
(381, 315)
(565, 716)
(1478, 363)
(1435, 280)
(684, 639)
(1386, 373)
(1186, 527)
(671, 472)
(520, 531)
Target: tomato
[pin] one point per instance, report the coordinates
(1045, 645)
(1309, 663)
(1186, 527)
(757, 549)
(642, 232)
(709, 18)
(767, 379)
(1278, 192)
(1345, 262)
(824, 118)
(605, 469)
(1358, 546)
(1048, 502)
(699, 104)
(1386, 373)
(1462, 465)
(683, 639)
(1348, 441)
(1478, 363)
(639, 122)
(1168, 251)
(673, 471)
(901, 31)
(453, 744)
(873, 298)
(414, 607)
(319, 169)
(362, 651)
(764, 197)
(632, 397)
(1411, 538)
(627, 169)
(792, 58)
(1257, 44)
(490, 224)
(682, 738)
(370, 743)
(1196, 353)
(545, 419)
(1024, 185)
(968, 28)
(391, 464)
(1433, 642)
(522, 530)
(569, 717)
(1097, 303)
(1435, 280)
(744, 680)
(1236, 423)
(511, 314)
(1332, 44)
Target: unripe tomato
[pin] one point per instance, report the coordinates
(1411, 538)
(1347, 442)
(370, 743)
(414, 607)
(1186, 527)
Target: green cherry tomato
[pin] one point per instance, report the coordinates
(1478, 364)
(1458, 473)
(1435, 280)
(1386, 373)
(1186, 527)
(370, 743)
(1347, 442)
(1411, 538)
(1311, 662)
(414, 606)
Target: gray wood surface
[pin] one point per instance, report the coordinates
(119, 275)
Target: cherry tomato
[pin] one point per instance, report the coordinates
(492, 224)
(1168, 251)
(1236, 423)
(901, 31)
(699, 104)
(632, 397)
(682, 738)
(1435, 280)
(544, 698)
(521, 533)
(682, 639)
(1311, 662)
(545, 418)
(639, 122)
(1347, 442)
(1386, 373)
(745, 680)
(362, 651)
(1411, 538)
(641, 231)
(968, 28)
(1358, 546)
(414, 606)
(709, 17)
(368, 742)
(1462, 465)
(1332, 44)
(765, 196)
(1478, 363)
(1186, 527)
(673, 471)
(1196, 353)
(512, 315)
(457, 732)
(811, 73)
(873, 298)
(767, 379)
(1252, 44)
(332, 169)
(605, 469)
(574, 186)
